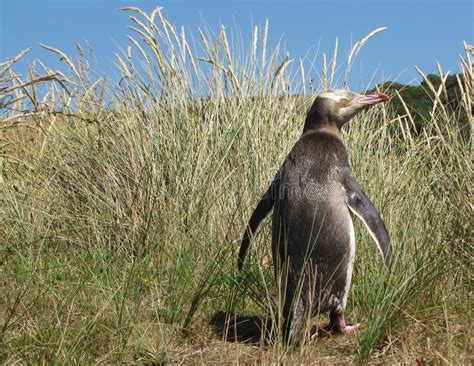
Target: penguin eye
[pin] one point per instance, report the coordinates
(344, 102)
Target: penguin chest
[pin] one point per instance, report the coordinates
(350, 263)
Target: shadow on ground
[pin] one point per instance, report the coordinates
(242, 328)
(254, 329)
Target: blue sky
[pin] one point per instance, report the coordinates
(420, 32)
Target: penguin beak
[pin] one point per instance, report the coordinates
(368, 100)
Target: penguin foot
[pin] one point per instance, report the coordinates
(349, 329)
(338, 324)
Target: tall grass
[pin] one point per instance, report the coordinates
(121, 217)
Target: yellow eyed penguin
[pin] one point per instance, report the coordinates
(313, 240)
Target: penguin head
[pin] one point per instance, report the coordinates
(340, 106)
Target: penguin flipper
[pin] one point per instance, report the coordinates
(263, 208)
(361, 206)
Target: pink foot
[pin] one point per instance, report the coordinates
(349, 329)
(338, 324)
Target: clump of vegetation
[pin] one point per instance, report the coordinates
(122, 207)
(433, 89)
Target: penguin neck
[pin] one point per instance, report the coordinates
(327, 128)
